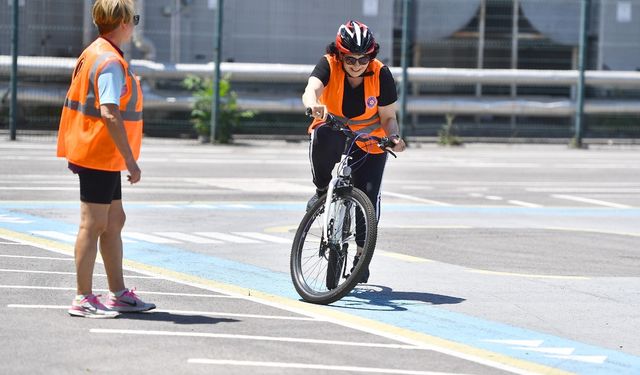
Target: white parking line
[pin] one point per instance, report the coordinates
(525, 204)
(416, 187)
(617, 233)
(408, 258)
(493, 197)
(256, 316)
(34, 257)
(201, 206)
(237, 205)
(178, 237)
(589, 200)
(4, 218)
(198, 295)
(37, 188)
(66, 237)
(586, 190)
(42, 287)
(416, 199)
(368, 370)
(72, 273)
(264, 237)
(56, 235)
(256, 338)
(176, 312)
(164, 206)
(186, 237)
(497, 198)
(148, 237)
(226, 237)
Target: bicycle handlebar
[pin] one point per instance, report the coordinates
(384, 143)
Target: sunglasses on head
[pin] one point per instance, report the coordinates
(350, 60)
(136, 20)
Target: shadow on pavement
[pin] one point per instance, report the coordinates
(161, 316)
(376, 297)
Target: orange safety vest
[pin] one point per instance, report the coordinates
(366, 123)
(83, 137)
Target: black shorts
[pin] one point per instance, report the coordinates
(99, 186)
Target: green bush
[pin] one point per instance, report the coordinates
(230, 115)
(446, 135)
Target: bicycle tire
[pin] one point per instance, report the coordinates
(309, 265)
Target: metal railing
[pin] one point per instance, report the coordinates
(150, 71)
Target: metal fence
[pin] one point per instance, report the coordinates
(502, 69)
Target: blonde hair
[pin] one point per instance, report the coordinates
(109, 14)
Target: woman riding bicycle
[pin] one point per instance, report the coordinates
(350, 83)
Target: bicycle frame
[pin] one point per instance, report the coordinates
(343, 175)
(347, 232)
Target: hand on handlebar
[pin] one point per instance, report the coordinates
(391, 144)
(398, 144)
(388, 144)
(318, 111)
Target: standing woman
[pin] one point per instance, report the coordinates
(351, 84)
(100, 135)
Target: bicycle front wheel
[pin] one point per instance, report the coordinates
(322, 262)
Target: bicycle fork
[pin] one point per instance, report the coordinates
(344, 173)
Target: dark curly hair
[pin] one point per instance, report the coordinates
(332, 50)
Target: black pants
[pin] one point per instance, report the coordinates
(325, 150)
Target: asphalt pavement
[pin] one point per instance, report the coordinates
(491, 259)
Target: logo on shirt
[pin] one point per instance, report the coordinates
(371, 101)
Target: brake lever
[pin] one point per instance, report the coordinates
(330, 120)
(385, 143)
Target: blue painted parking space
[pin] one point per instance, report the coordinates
(430, 320)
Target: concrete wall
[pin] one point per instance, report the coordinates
(282, 31)
(620, 35)
(46, 27)
(296, 32)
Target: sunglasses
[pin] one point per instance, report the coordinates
(136, 20)
(350, 60)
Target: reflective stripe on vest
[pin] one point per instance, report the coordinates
(365, 130)
(90, 109)
(84, 137)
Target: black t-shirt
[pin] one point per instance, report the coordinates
(353, 104)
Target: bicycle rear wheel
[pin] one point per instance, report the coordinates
(319, 265)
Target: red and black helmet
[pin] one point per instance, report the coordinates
(356, 38)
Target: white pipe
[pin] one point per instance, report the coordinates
(290, 73)
(532, 106)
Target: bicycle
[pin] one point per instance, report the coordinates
(338, 230)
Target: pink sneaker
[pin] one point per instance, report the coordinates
(128, 302)
(91, 307)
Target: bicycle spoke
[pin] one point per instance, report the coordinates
(334, 230)
(316, 256)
